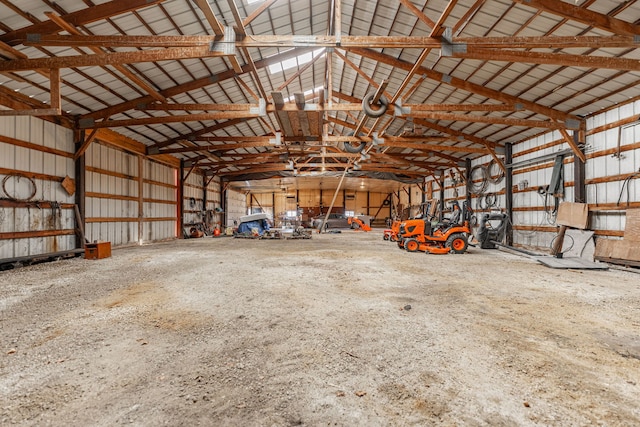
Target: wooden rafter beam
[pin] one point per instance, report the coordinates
(414, 108)
(588, 17)
(196, 134)
(253, 15)
(230, 143)
(439, 128)
(186, 87)
(64, 25)
(346, 42)
(433, 147)
(421, 16)
(210, 16)
(89, 124)
(562, 59)
(474, 118)
(114, 58)
(467, 86)
(573, 145)
(438, 28)
(216, 148)
(79, 18)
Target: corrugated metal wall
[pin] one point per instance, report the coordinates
(160, 201)
(116, 210)
(235, 206)
(193, 209)
(214, 202)
(42, 153)
(111, 208)
(611, 177)
(613, 182)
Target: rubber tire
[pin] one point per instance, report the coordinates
(458, 243)
(411, 245)
(374, 113)
(352, 148)
(385, 237)
(394, 238)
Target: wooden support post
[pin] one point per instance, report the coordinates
(441, 184)
(80, 227)
(508, 191)
(556, 250)
(180, 201)
(204, 197)
(81, 189)
(223, 204)
(579, 186)
(140, 199)
(335, 196)
(467, 193)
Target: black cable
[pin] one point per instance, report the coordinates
(625, 184)
(477, 187)
(18, 176)
(494, 179)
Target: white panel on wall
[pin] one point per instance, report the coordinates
(236, 206)
(35, 218)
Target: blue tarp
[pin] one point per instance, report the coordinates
(262, 225)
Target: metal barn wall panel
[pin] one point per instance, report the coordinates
(612, 174)
(160, 209)
(214, 204)
(236, 206)
(112, 195)
(193, 199)
(43, 214)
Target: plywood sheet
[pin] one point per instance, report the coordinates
(574, 215)
(604, 247)
(632, 227)
(624, 250)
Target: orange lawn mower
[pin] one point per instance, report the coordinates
(392, 233)
(450, 236)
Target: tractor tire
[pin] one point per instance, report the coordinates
(385, 237)
(349, 148)
(379, 109)
(394, 238)
(412, 245)
(457, 243)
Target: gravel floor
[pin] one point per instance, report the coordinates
(343, 329)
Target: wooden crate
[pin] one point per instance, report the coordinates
(97, 250)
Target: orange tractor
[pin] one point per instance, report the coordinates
(448, 236)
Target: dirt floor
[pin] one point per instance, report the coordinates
(343, 329)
